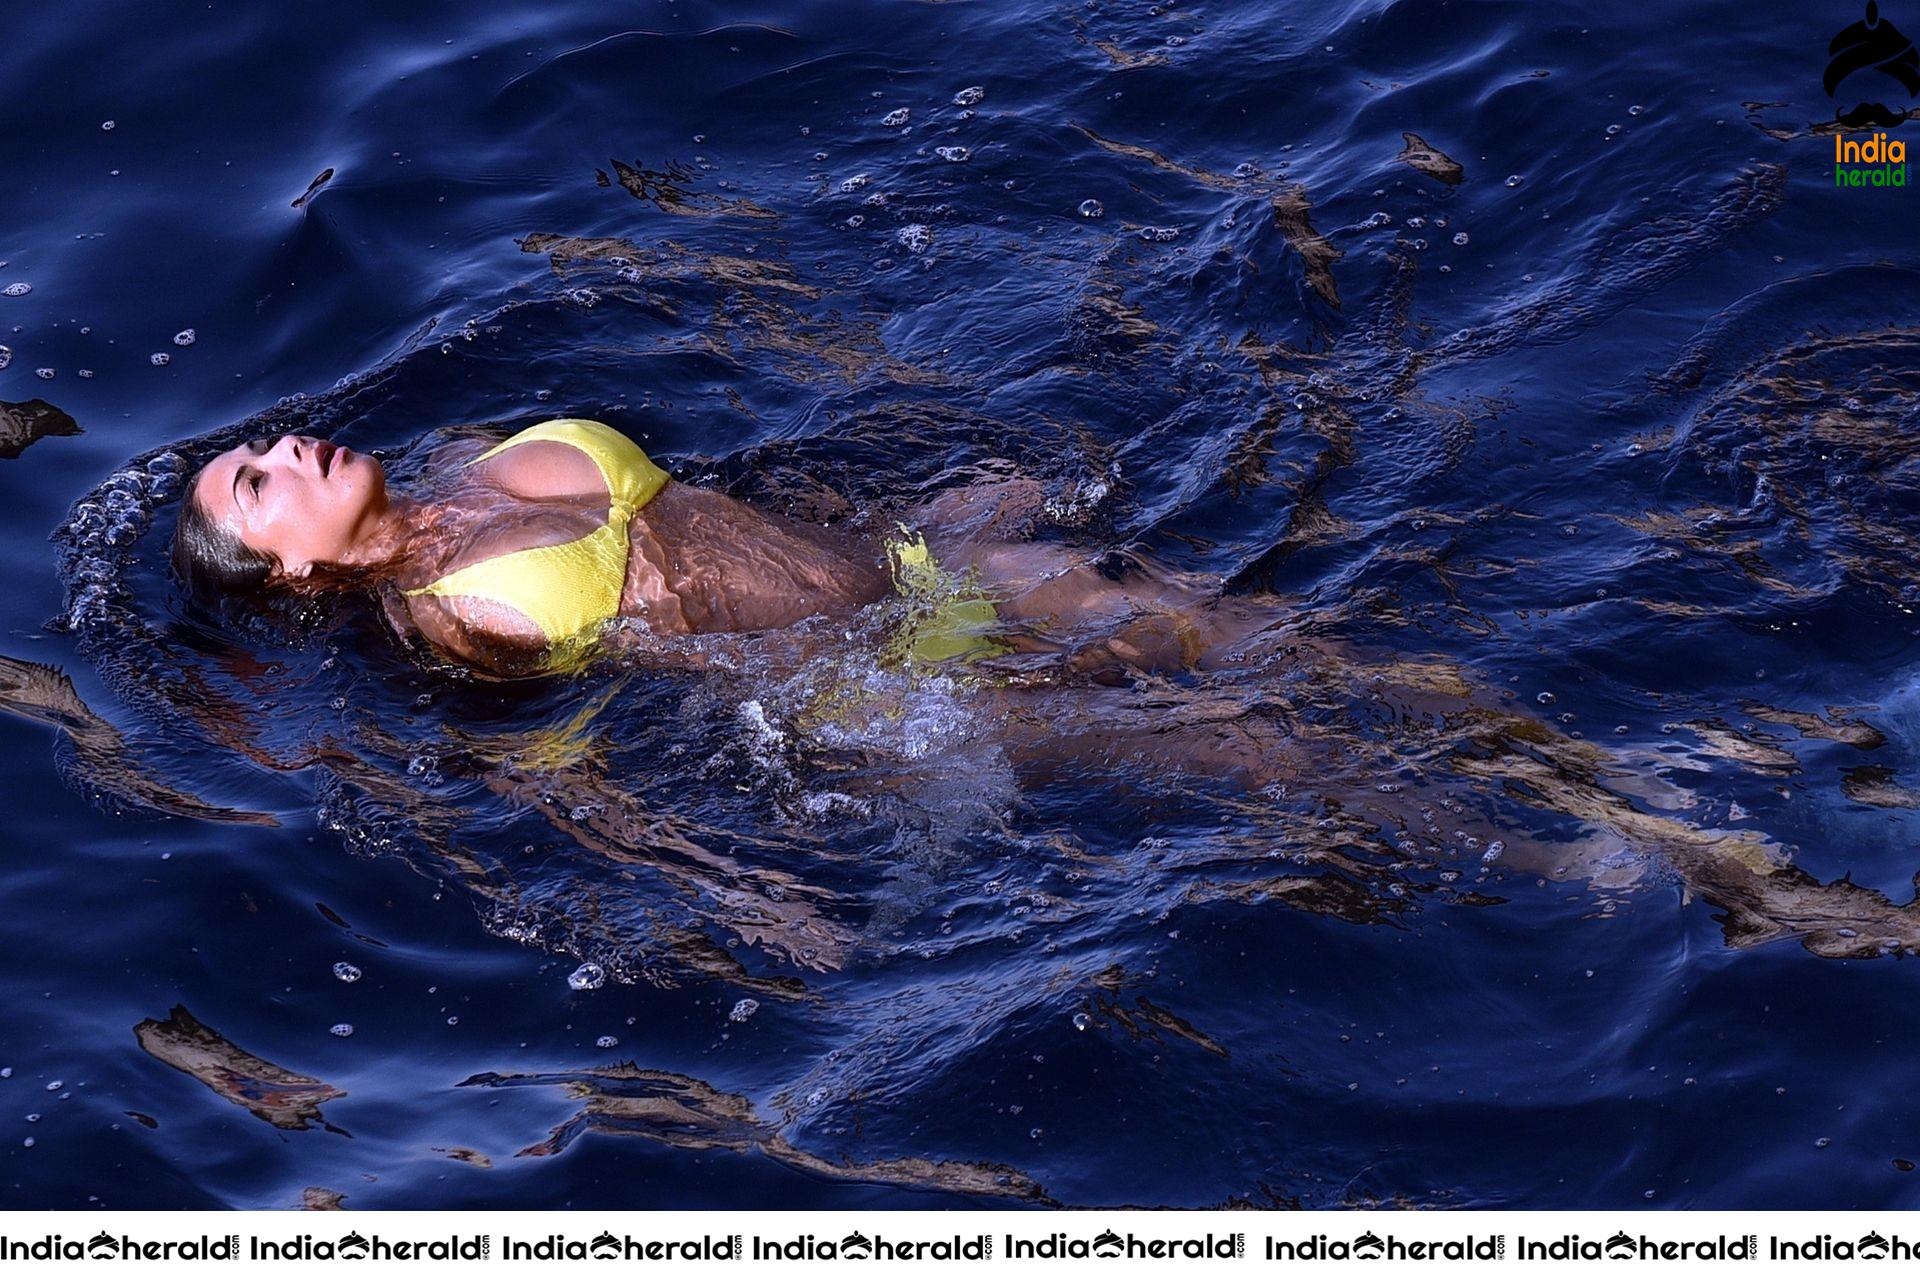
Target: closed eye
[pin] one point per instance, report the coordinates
(251, 479)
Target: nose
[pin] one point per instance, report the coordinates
(295, 448)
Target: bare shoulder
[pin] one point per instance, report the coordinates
(478, 632)
(545, 469)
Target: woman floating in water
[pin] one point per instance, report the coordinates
(527, 557)
(518, 563)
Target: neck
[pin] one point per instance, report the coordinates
(391, 542)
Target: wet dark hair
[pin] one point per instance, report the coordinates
(212, 562)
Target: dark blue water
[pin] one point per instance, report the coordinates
(1581, 871)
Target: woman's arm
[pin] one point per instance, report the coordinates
(477, 633)
(996, 510)
(768, 655)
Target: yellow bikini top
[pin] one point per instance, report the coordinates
(571, 588)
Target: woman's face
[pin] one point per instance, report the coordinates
(303, 501)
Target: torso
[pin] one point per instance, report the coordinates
(703, 562)
(696, 561)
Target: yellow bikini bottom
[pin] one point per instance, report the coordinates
(949, 618)
(949, 623)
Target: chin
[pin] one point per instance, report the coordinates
(367, 475)
(356, 494)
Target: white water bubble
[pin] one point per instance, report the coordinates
(894, 119)
(1159, 235)
(744, 1010)
(346, 972)
(915, 238)
(185, 338)
(6, 356)
(56, 1086)
(44, 374)
(588, 977)
(85, 373)
(607, 1042)
(1081, 1021)
(159, 358)
(1514, 179)
(1459, 237)
(970, 95)
(1092, 209)
(18, 289)
(856, 182)
(952, 155)
(106, 126)
(341, 1029)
